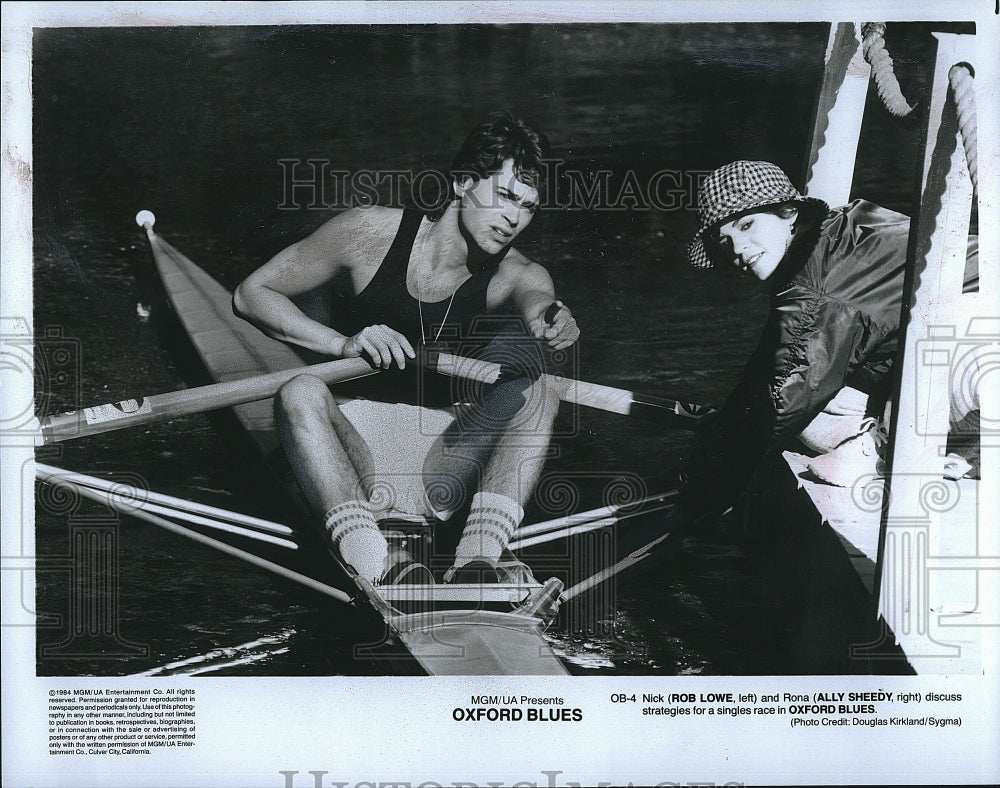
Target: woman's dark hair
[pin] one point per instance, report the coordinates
(808, 212)
(785, 210)
(499, 136)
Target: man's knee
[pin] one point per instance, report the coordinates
(507, 399)
(302, 396)
(520, 354)
(518, 404)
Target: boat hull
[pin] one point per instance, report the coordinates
(442, 635)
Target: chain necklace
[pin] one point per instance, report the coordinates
(420, 307)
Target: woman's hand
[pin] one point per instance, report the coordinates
(383, 345)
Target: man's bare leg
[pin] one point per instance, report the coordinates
(457, 463)
(501, 473)
(329, 459)
(456, 467)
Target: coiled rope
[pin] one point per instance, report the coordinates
(962, 82)
(960, 79)
(873, 48)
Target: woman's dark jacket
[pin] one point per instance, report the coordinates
(833, 321)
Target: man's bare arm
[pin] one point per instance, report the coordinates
(265, 297)
(340, 248)
(529, 287)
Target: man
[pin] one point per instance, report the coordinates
(402, 280)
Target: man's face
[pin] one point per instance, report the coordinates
(495, 209)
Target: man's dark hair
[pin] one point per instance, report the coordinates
(499, 136)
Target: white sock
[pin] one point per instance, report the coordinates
(491, 523)
(354, 532)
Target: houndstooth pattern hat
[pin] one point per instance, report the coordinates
(733, 189)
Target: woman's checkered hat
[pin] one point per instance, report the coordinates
(733, 189)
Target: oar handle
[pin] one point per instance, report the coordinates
(158, 407)
(593, 395)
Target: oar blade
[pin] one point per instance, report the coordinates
(668, 411)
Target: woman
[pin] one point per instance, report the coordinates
(821, 371)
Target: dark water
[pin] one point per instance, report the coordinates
(191, 123)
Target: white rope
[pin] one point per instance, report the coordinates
(962, 83)
(873, 47)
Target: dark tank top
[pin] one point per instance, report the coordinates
(386, 300)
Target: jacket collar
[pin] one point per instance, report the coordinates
(812, 217)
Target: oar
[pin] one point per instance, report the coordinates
(158, 407)
(140, 496)
(582, 522)
(169, 506)
(672, 538)
(135, 511)
(627, 562)
(607, 573)
(592, 395)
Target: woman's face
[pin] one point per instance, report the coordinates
(757, 242)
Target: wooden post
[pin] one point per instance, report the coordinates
(933, 324)
(840, 109)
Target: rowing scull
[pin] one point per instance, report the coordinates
(452, 631)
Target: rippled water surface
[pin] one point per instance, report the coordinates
(191, 123)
